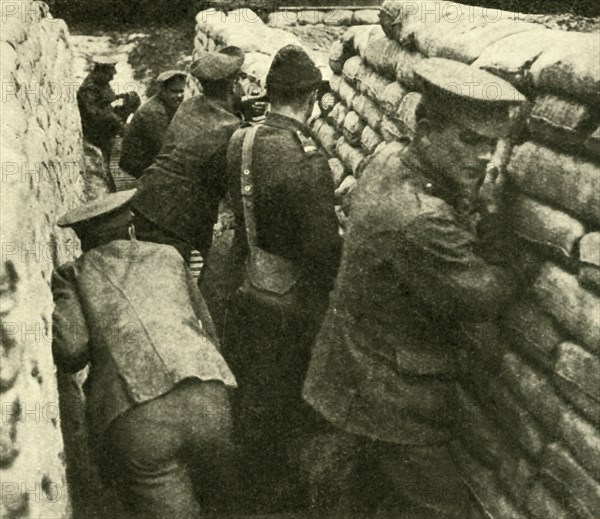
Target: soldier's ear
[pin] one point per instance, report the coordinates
(424, 127)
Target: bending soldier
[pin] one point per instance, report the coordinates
(157, 394)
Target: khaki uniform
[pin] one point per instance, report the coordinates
(384, 367)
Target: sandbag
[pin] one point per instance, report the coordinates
(352, 128)
(368, 110)
(481, 436)
(327, 136)
(561, 473)
(338, 114)
(350, 71)
(570, 67)
(365, 17)
(406, 115)
(567, 182)
(484, 486)
(370, 139)
(576, 309)
(485, 340)
(374, 86)
(533, 332)
(592, 144)
(383, 54)
(361, 36)
(589, 262)
(311, 17)
(350, 156)
(282, 19)
(338, 55)
(335, 82)
(516, 473)
(582, 439)
(533, 388)
(346, 93)
(511, 57)
(541, 504)
(560, 122)
(391, 98)
(554, 231)
(577, 377)
(516, 420)
(338, 17)
(389, 130)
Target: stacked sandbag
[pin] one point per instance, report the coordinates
(244, 29)
(42, 178)
(530, 390)
(331, 16)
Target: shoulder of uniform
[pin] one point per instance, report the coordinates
(307, 142)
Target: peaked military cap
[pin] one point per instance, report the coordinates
(212, 66)
(293, 67)
(94, 211)
(105, 61)
(170, 74)
(467, 95)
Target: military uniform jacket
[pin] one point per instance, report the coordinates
(99, 122)
(294, 205)
(384, 365)
(132, 310)
(144, 136)
(181, 190)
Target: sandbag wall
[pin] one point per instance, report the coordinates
(244, 29)
(529, 442)
(42, 164)
(333, 16)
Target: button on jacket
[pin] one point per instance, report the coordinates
(384, 365)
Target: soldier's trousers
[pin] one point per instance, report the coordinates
(348, 474)
(173, 457)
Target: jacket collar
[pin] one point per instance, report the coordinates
(286, 123)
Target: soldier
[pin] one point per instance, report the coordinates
(283, 197)
(144, 136)
(179, 194)
(157, 393)
(99, 121)
(416, 264)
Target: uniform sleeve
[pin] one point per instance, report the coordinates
(444, 271)
(69, 329)
(318, 223)
(103, 114)
(136, 154)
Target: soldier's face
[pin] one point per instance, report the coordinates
(460, 153)
(173, 91)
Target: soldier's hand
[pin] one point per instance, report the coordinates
(491, 194)
(345, 188)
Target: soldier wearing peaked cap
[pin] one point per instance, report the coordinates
(99, 120)
(283, 198)
(153, 374)
(180, 191)
(421, 259)
(145, 133)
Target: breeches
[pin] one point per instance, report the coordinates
(173, 456)
(347, 473)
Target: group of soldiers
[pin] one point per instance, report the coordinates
(326, 379)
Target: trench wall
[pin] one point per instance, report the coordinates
(42, 177)
(529, 442)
